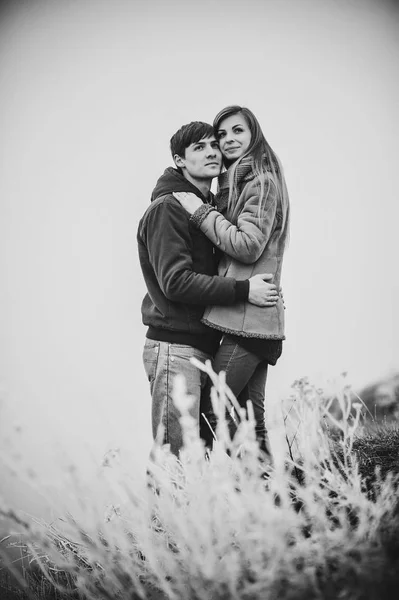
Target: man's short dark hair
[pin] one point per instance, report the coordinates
(189, 134)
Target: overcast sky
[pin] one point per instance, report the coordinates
(91, 93)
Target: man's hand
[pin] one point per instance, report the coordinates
(282, 297)
(262, 293)
(189, 201)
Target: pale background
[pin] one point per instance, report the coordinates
(91, 93)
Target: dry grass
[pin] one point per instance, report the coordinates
(213, 528)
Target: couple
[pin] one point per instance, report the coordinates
(212, 267)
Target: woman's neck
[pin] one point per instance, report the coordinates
(229, 164)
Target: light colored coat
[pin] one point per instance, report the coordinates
(251, 245)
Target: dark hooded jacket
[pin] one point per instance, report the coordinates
(180, 270)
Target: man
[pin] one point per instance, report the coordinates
(179, 266)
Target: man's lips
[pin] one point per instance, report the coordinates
(212, 163)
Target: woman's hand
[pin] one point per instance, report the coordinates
(189, 201)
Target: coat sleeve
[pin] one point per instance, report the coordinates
(246, 240)
(168, 241)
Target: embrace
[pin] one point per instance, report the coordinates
(212, 267)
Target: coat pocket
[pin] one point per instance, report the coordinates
(224, 266)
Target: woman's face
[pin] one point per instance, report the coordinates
(234, 137)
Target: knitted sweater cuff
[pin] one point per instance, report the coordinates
(242, 290)
(200, 214)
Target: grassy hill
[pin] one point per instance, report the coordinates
(323, 525)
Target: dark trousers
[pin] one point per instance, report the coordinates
(246, 375)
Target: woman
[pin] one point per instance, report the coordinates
(250, 226)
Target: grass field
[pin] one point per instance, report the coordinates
(323, 525)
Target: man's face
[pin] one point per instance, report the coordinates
(203, 160)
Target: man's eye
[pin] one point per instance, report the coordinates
(198, 147)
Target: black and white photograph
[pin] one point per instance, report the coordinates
(199, 292)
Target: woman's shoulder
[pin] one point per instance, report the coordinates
(265, 180)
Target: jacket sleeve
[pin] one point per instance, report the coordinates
(167, 238)
(246, 240)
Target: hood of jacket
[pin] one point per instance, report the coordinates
(173, 181)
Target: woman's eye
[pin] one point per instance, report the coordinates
(238, 130)
(221, 135)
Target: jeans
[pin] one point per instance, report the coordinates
(162, 362)
(246, 375)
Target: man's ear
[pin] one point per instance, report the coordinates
(179, 161)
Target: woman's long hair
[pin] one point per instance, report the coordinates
(264, 160)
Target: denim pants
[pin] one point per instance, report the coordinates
(246, 375)
(162, 362)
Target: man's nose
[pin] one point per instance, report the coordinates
(211, 151)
